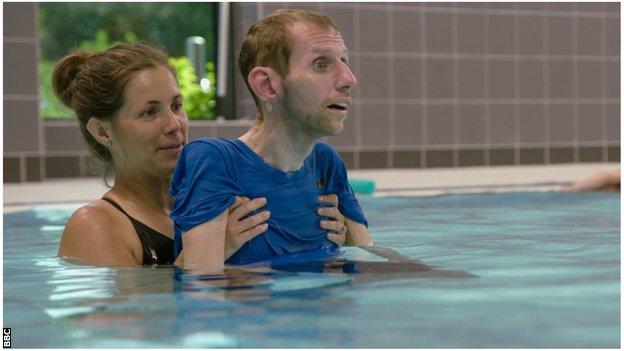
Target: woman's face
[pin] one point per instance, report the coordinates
(151, 127)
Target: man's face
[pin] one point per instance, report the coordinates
(317, 90)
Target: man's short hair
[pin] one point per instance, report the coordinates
(270, 42)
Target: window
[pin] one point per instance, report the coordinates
(64, 27)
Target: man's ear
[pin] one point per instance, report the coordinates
(266, 83)
(100, 130)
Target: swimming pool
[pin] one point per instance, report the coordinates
(548, 267)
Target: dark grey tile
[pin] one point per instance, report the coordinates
(532, 156)
(561, 155)
(440, 125)
(373, 159)
(613, 36)
(589, 7)
(532, 124)
(588, 30)
(19, 19)
(590, 154)
(560, 79)
(344, 19)
(199, 131)
(373, 30)
(613, 122)
(471, 78)
(445, 5)
(589, 80)
(63, 138)
(531, 31)
(560, 35)
(407, 78)
(373, 82)
(500, 157)
(471, 33)
(472, 5)
(62, 167)
(12, 171)
(230, 132)
(612, 7)
(501, 34)
(589, 123)
(531, 6)
(613, 153)
(21, 125)
(375, 125)
(439, 158)
(347, 137)
(502, 79)
(407, 34)
(439, 32)
(500, 6)
(502, 125)
(408, 125)
(348, 157)
(531, 79)
(406, 159)
(613, 80)
(471, 158)
(439, 79)
(471, 124)
(20, 68)
(559, 6)
(33, 169)
(561, 128)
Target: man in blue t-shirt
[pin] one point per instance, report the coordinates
(296, 67)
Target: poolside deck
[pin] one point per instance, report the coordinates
(399, 182)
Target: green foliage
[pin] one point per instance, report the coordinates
(51, 107)
(199, 103)
(96, 26)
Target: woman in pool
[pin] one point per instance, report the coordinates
(129, 108)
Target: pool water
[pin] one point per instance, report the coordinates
(547, 267)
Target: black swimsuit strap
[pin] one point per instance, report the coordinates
(112, 202)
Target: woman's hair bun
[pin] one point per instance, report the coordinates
(65, 73)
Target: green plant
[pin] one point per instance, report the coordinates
(199, 103)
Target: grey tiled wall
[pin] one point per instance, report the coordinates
(472, 84)
(440, 85)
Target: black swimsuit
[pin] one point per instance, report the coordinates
(157, 247)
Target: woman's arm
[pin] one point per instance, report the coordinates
(204, 245)
(357, 234)
(93, 236)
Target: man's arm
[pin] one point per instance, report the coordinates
(357, 234)
(204, 245)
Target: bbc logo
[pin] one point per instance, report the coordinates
(6, 334)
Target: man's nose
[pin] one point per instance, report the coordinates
(347, 79)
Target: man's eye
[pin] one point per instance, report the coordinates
(177, 106)
(320, 65)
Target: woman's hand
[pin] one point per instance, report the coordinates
(239, 231)
(336, 223)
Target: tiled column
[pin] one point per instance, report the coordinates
(22, 125)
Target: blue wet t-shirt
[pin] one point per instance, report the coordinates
(211, 172)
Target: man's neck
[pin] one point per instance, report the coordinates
(284, 148)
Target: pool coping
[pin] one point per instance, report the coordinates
(388, 182)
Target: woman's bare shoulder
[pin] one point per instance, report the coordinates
(96, 234)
